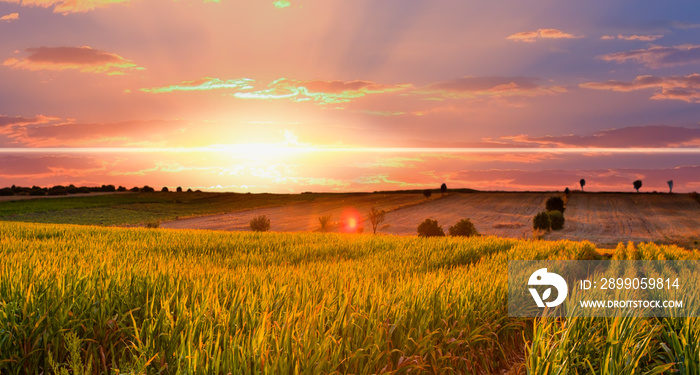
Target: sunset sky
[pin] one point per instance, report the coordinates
(330, 95)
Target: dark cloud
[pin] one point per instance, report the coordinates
(639, 136)
(685, 88)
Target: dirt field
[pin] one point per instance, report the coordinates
(604, 219)
(302, 216)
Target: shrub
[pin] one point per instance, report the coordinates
(179, 189)
(376, 216)
(260, 224)
(135, 189)
(427, 193)
(108, 188)
(147, 189)
(555, 204)
(567, 191)
(464, 228)
(430, 228)
(189, 190)
(541, 221)
(556, 219)
(443, 188)
(164, 189)
(325, 222)
(121, 188)
(153, 224)
(5, 192)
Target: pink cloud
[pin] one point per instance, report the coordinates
(66, 6)
(634, 37)
(10, 17)
(84, 59)
(658, 56)
(467, 87)
(685, 88)
(532, 36)
(637, 136)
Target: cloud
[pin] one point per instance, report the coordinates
(635, 136)
(641, 38)
(685, 88)
(658, 56)
(10, 17)
(18, 166)
(67, 6)
(8, 121)
(317, 91)
(531, 36)
(468, 87)
(684, 25)
(84, 59)
(279, 4)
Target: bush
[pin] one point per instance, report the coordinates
(464, 228)
(135, 189)
(430, 228)
(260, 224)
(179, 189)
(6, 192)
(427, 193)
(153, 224)
(121, 188)
(147, 189)
(567, 191)
(555, 204)
(108, 188)
(541, 221)
(325, 222)
(164, 189)
(556, 219)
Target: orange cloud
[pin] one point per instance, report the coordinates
(10, 17)
(531, 36)
(685, 88)
(66, 6)
(634, 136)
(318, 91)
(641, 38)
(84, 59)
(469, 87)
(658, 56)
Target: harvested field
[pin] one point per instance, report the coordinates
(602, 218)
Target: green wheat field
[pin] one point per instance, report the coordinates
(85, 299)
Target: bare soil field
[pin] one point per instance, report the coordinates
(302, 216)
(604, 219)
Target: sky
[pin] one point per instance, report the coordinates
(329, 95)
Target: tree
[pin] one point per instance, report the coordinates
(637, 184)
(583, 183)
(556, 219)
(325, 222)
(179, 189)
(566, 191)
(165, 189)
(427, 193)
(430, 228)
(376, 217)
(464, 228)
(443, 188)
(147, 189)
(542, 221)
(260, 224)
(670, 186)
(555, 204)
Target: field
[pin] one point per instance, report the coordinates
(163, 301)
(602, 218)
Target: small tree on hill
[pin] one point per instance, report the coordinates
(556, 219)
(430, 228)
(555, 204)
(376, 217)
(670, 186)
(541, 221)
(443, 188)
(583, 183)
(637, 184)
(260, 224)
(325, 222)
(464, 228)
(427, 193)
